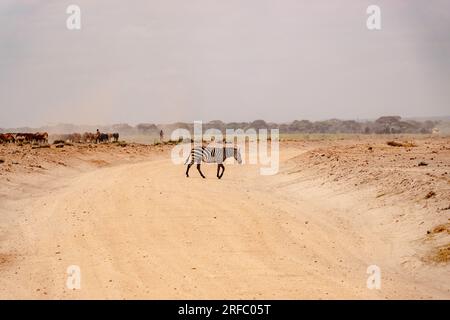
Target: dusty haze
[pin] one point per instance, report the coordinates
(165, 61)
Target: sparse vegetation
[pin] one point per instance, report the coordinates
(430, 195)
(440, 255)
(121, 143)
(168, 143)
(401, 144)
(441, 228)
(40, 146)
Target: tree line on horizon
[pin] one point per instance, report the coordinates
(382, 125)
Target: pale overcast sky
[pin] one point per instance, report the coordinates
(235, 60)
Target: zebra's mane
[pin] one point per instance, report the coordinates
(229, 151)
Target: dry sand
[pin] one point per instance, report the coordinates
(138, 228)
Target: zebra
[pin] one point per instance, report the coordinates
(212, 155)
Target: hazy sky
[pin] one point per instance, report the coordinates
(235, 60)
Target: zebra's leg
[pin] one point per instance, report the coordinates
(223, 170)
(198, 168)
(187, 170)
(218, 170)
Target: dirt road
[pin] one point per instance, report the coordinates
(144, 230)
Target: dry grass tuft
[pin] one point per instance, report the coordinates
(441, 228)
(439, 255)
(6, 259)
(99, 163)
(430, 195)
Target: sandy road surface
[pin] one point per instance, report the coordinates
(143, 230)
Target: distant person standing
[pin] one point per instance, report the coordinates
(161, 136)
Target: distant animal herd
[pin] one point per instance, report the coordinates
(38, 137)
(87, 137)
(43, 137)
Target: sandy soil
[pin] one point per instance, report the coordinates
(138, 228)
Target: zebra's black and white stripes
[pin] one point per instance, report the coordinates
(212, 155)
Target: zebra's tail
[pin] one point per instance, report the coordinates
(187, 160)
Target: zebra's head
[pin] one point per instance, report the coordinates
(237, 155)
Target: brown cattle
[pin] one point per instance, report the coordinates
(89, 137)
(24, 137)
(9, 137)
(19, 137)
(6, 137)
(40, 137)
